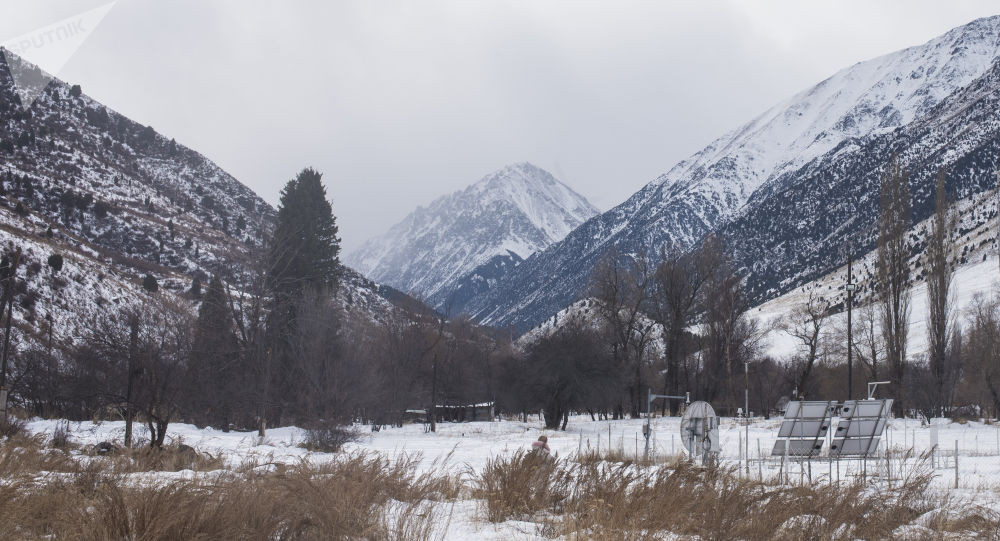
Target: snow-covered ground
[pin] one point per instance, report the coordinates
(466, 447)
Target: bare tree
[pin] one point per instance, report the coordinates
(806, 323)
(893, 271)
(939, 303)
(730, 336)
(165, 348)
(566, 370)
(676, 292)
(869, 347)
(621, 290)
(982, 347)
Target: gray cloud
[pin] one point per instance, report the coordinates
(401, 102)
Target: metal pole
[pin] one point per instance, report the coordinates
(746, 409)
(649, 400)
(850, 335)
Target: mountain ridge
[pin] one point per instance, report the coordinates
(710, 188)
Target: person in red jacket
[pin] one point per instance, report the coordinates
(541, 445)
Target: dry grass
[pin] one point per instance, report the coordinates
(519, 486)
(591, 499)
(617, 455)
(175, 457)
(52, 494)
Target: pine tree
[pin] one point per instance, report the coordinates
(214, 357)
(303, 267)
(305, 247)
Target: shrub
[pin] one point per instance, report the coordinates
(11, 426)
(56, 262)
(29, 299)
(101, 209)
(329, 438)
(60, 435)
(149, 283)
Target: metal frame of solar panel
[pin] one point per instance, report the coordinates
(860, 427)
(804, 428)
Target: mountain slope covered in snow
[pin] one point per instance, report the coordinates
(117, 201)
(712, 187)
(470, 237)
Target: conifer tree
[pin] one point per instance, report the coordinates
(305, 248)
(214, 355)
(303, 268)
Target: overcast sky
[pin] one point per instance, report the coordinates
(398, 103)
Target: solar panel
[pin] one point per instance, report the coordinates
(854, 447)
(797, 447)
(860, 428)
(804, 428)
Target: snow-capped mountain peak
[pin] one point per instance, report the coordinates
(517, 210)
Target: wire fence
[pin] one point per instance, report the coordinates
(963, 456)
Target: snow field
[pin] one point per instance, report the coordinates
(465, 447)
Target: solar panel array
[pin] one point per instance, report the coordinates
(806, 424)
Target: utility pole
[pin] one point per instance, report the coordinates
(850, 326)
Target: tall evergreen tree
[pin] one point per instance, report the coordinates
(305, 249)
(303, 267)
(216, 376)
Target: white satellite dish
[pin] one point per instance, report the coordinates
(700, 430)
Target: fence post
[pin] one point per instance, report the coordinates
(956, 463)
(760, 462)
(888, 467)
(782, 472)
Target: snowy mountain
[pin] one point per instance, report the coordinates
(714, 186)
(468, 240)
(118, 201)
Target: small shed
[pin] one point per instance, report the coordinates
(464, 413)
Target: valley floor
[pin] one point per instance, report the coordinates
(467, 449)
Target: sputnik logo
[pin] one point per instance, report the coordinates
(39, 55)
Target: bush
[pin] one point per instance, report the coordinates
(60, 435)
(329, 438)
(149, 283)
(56, 262)
(101, 209)
(29, 299)
(11, 426)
